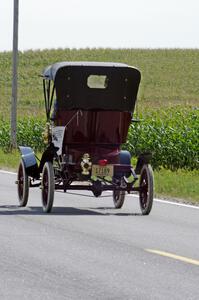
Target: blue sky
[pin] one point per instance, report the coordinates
(104, 23)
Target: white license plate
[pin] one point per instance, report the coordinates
(102, 171)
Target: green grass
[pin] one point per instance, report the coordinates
(9, 161)
(179, 185)
(169, 76)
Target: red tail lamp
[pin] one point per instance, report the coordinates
(103, 162)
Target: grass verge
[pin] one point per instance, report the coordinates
(180, 185)
(9, 161)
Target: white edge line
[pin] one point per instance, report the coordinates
(7, 172)
(170, 202)
(134, 195)
(176, 203)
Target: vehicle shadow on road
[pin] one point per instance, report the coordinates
(10, 210)
(84, 195)
(116, 212)
(37, 210)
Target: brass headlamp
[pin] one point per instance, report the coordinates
(86, 164)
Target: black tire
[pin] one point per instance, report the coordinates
(22, 184)
(47, 187)
(118, 198)
(146, 189)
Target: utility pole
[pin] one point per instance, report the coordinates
(14, 76)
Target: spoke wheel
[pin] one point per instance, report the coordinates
(23, 184)
(118, 198)
(47, 187)
(146, 189)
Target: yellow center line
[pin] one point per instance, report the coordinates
(174, 256)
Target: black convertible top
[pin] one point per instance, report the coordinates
(51, 71)
(75, 90)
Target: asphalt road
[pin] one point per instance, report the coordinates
(86, 249)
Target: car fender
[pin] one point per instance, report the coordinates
(143, 158)
(30, 162)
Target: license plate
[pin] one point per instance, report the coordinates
(102, 171)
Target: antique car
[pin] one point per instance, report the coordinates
(89, 109)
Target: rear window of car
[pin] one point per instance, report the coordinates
(97, 81)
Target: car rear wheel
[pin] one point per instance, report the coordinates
(47, 187)
(146, 189)
(22, 184)
(118, 198)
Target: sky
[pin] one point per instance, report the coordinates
(103, 23)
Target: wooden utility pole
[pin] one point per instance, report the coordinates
(14, 76)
